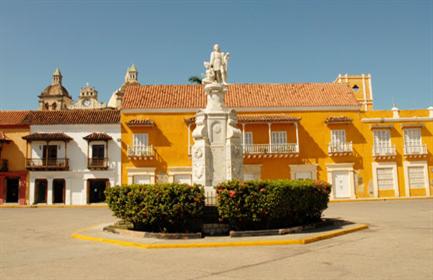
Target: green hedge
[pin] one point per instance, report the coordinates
(271, 204)
(160, 207)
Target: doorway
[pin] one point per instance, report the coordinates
(40, 191)
(96, 190)
(341, 184)
(49, 155)
(59, 191)
(12, 190)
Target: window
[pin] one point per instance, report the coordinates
(303, 175)
(416, 176)
(182, 179)
(338, 137)
(49, 152)
(248, 136)
(412, 137)
(142, 179)
(385, 178)
(279, 137)
(141, 140)
(98, 151)
(382, 138)
(355, 88)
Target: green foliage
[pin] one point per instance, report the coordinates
(195, 80)
(271, 204)
(160, 207)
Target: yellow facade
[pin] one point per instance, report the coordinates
(169, 138)
(15, 151)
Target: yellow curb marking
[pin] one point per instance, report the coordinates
(366, 199)
(307, 240)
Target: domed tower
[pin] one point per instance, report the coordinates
(55, 97)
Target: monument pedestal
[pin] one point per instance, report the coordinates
(217, 151)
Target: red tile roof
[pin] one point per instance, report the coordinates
(73, 117)
(12, 118)
(47, 137)
(241, 96)
(97, 136)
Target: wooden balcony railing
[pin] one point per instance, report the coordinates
(47, 164)
(336, 149)
(415, 150)
(97, 163)
(141, 152)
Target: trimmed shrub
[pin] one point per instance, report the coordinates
(271, 204)
(158, 208)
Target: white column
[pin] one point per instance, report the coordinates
(270, 136)
(353, 184)
(50, 191)
(84, 192)
(68, 191)
(297, 137)
(243, 136)
(32, 191)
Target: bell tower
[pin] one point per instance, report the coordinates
(55, 97)
(57, 77)
(131, 75)
(361, 87)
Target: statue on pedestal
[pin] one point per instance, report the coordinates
(216, 68)
(217, 150)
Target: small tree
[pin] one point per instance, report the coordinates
(195, 80)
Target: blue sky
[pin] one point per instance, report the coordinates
(269, 41)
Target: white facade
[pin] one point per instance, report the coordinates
(78, 179)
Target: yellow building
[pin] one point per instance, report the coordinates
(13, 173)
(326, 131)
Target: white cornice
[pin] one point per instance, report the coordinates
(396, 120)
(248, 109)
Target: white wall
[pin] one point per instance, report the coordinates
(76, 177)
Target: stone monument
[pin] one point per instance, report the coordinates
(217, 150)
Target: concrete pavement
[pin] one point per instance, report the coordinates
(36, 244)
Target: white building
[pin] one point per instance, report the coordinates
(73, 156)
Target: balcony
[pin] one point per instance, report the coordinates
(384, 151)
(340, 149)
(271, 150)
(97, 163)
(38, 164)
(415, 151)
(141, 152)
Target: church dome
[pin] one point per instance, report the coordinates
(55, 90)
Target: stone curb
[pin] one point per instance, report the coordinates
(283, 231)
(158, 235)
(304, 241)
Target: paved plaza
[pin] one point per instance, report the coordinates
(35, 243)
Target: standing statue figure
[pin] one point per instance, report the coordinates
(218, 63)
